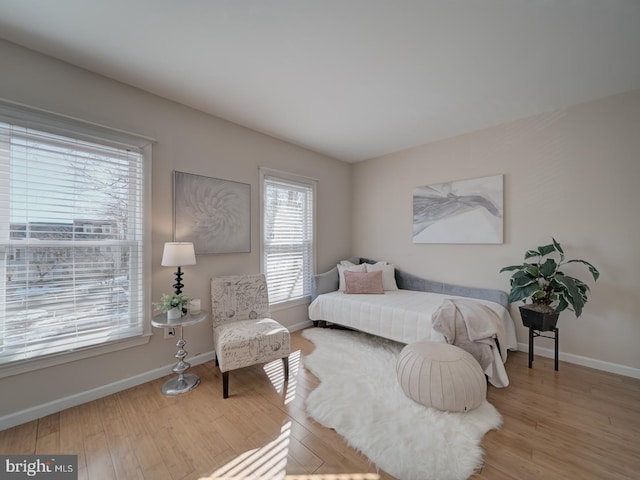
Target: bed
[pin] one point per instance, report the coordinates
(412, 308)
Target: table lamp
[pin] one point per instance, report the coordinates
(177, 254)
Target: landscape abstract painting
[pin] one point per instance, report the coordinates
(466, 211)
(212, 213)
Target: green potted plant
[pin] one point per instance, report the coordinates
(548, 288)
(174, 304)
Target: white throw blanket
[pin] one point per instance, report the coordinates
(475, 328)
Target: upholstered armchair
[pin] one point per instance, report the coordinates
(243, 333)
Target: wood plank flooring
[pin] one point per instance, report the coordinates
(577, 423)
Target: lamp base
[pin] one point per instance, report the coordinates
(178, 285)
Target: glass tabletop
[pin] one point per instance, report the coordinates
(161, 320)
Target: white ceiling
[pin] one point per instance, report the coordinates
(353, 79)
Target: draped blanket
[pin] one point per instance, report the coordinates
(476, 328)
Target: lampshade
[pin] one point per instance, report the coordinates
(177, 254)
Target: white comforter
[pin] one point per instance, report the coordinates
(401, 315)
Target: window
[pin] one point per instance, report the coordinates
(287, 235)
(60, 290)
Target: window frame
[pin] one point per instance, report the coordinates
(47, 121)
(313, 183)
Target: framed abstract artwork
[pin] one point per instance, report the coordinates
(466, 211)
(212, 213)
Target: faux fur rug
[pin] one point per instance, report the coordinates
(360, 398)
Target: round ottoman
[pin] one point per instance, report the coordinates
(441, 376)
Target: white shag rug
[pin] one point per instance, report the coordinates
(360, 398)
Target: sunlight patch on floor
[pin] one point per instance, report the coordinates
(268, 462)
(335, 476)
(275, 372)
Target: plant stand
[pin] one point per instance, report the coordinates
(538, 333)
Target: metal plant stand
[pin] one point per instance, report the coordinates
(537, 333)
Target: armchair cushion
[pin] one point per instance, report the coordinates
(249, 342)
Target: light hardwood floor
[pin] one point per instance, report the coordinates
(577, 423)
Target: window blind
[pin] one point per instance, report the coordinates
(288, 237)
(71, 243)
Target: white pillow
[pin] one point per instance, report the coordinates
(351, 268)
(388, 274)
(347, 263)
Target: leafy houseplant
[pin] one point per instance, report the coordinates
(550, 290)
(171, 301)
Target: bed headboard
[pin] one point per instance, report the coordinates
(328, 282)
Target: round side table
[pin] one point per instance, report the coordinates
(184, 382)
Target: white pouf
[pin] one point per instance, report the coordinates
(441, 376)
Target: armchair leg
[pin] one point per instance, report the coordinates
(225, 384)
(285, 362)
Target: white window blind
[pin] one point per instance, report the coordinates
(288, 236)
(71, 242)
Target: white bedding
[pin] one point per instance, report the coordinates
(401, 315)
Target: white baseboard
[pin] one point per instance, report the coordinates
(300, 326)
(584, 361)
(39, 411)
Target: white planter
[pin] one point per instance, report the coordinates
(174, 313)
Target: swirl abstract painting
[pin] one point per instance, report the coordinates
(212, 213)
(467, 211)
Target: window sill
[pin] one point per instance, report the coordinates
(31, 365)
(275, 307)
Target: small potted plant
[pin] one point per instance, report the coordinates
(550, 290)
(174, 304)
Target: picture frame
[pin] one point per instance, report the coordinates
(465, 212)
(213, 213)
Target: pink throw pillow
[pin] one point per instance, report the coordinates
(363, 282)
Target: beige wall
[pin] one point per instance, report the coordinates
(189, 141)
(572, 174)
